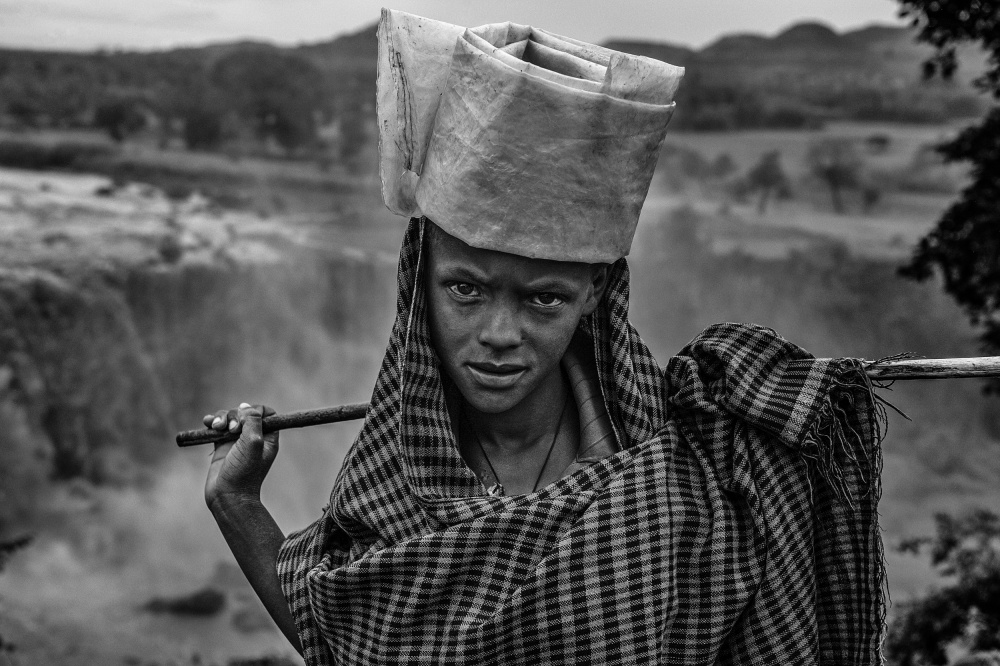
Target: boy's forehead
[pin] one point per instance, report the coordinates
(445, 249)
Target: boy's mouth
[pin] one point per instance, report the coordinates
(496, 375)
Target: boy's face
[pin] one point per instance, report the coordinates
(501, 323)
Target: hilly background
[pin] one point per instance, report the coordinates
(184, 230)
(318, 98)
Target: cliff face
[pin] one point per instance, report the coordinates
(125, 318)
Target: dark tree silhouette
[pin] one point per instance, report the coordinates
(767, 178)
(722, 166)
(837, 163)
(120, 117)
(277, 94)
(201, 109)
(870, 196)
(8, 548)
(967, 550)
(202, 127)
(964, 247)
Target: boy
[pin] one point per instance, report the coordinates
(529, 486)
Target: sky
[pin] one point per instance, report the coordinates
(156, 24)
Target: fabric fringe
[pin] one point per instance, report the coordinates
(832, 444)
(832, 441)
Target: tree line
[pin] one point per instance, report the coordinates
(963, 250)
(298, 98)
(242, 94)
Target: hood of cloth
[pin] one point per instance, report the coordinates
(737, 523)
(753, 374)
(408, 423)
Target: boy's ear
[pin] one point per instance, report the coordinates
(598, 283)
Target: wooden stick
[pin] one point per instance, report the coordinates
(303, 419)
(911, 368)
(934, 368)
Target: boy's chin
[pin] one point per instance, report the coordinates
(492, 402)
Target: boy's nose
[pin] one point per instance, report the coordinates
(500, 328)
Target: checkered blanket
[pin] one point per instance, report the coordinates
(737, 525)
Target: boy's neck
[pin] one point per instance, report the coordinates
(533, 419)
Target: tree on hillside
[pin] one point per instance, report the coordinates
(120, 117)
(277, 94)
(967, 609)
(965, 246)
(202, 111)
(722, 166)
(203, 127)
(837, 163)
(768, 178)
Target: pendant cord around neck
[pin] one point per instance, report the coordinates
(545, 463)
(552, 445)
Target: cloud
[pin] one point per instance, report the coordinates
(77, 24)
(65, 24)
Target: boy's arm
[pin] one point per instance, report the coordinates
(232, 492)
(255, 538)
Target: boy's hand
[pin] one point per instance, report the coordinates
(238, 468)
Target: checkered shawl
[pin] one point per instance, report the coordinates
(737, 525)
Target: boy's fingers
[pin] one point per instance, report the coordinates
(231, 419)
(239, 417)
(271, 438)
(251, 419)
(220, 420)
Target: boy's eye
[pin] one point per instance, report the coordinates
(548, 300)
(463, 289)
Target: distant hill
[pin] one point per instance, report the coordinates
(357, 51)
(675, 55)
(809, 73)
(801, 77)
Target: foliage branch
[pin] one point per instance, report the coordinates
(964, 247)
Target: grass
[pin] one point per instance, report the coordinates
(26, 153)
(746, 147)
(268, 186)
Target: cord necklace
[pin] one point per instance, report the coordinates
(497, 488)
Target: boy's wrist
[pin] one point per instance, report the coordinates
(233, 500)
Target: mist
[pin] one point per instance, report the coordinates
(117, 511)
(175, 259)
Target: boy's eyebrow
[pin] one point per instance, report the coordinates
(550, 283)
(542, 283)
(458, 271)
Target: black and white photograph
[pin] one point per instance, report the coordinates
(499, 333)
